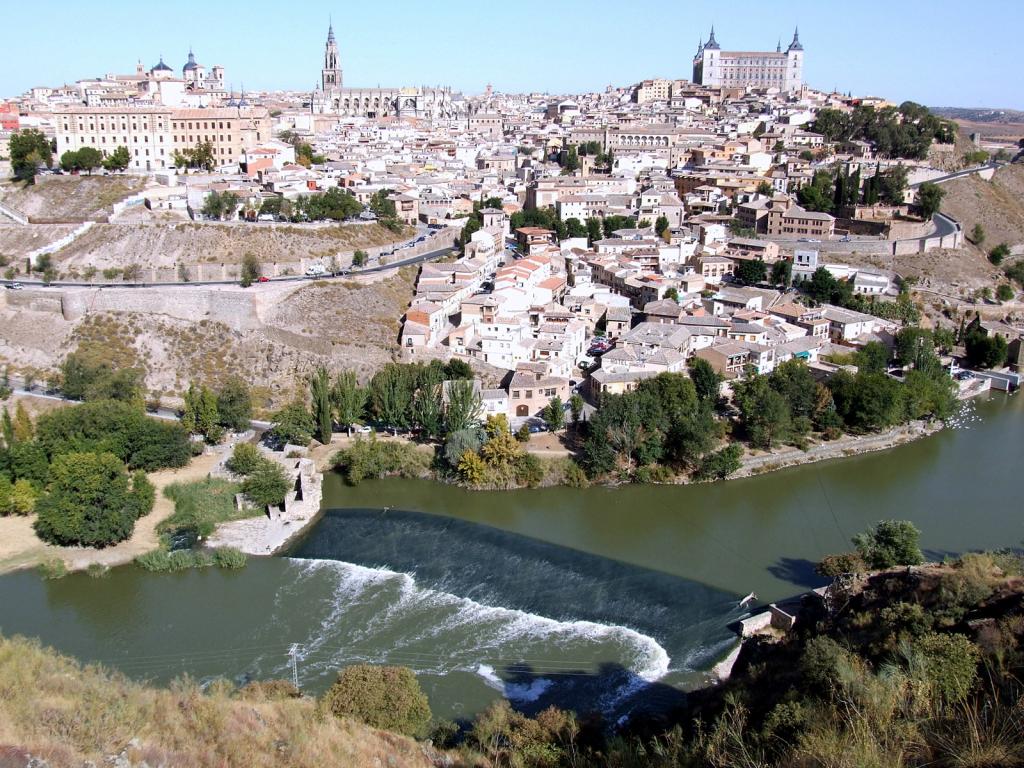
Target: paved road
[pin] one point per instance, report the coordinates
(17, 384)
(956, 175)
(428, 256)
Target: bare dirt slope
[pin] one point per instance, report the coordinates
(17, 241)
(997, 205)
(71, 197)
(343, 325)
(165, 245)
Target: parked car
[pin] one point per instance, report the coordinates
(361, 429)
(535, 428)
(14, 286)
(264, 279)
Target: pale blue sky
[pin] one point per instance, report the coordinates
(925, 50)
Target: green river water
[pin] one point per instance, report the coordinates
(607, 599)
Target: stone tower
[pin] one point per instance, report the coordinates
(331, 74)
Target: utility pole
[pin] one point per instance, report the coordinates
(293, 652)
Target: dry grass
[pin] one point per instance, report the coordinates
(997, 205)
(53, 709)
(70, 197)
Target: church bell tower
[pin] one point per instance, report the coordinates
(331, 74)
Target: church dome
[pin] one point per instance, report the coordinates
(161, 67)
(191, 64)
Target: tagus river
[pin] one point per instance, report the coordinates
(597, 599)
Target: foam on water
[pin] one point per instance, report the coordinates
(438, 632)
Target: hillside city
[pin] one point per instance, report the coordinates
(230, 317)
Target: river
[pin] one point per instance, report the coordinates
(604, 599)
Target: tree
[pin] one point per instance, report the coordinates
(245, 459)
(1005, 292)
(462, 405)
(554, 414)
(234, 405)
(751, 271)
(29, 150)
(388, 698)
(575, 228)
(89, 158)
(765, 188)
(359, 258)
(593, 230)
(391, 394)
(873, 357)
(69, 161)
(382, 207)
(782, 273)
(929, 199)
(661, 225)
(890, 543)
(978, 235)
(118, 160)
(349, 399)
(570, 160)
(721, 464)
(984, 351)
(706, 380)
(220, 205)
(320, 391)
(22, 427)
(997, 254)
(672, 294)
(576, 407)
(200, 415)
(91, 501)
(456, 444)
(293, 425)
(267, 485)
(251, 269)
(766, 415)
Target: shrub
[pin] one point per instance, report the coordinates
(267, 485)
(155, 560)
(97, 570)
(162, 561)
(460, 441)
(389, 698)
(245, 459)
(949, 663)
(528, 470)
(229, 557)
(720, 464)
(838, 565)
(375, 458)
(890, 543)
(53, 568)
(91, 501)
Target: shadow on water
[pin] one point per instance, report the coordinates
(799, 571)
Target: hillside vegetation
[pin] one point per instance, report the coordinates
(57, 711)
(998, 205)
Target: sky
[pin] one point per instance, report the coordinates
(935, 52)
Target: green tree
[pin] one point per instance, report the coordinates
(69, 161)
(765, 188)
(118, 160)
(575, 228)
(984, 351)
(593, 230)
(388, 698)
(252, 270)
(391, 395)
(320, 391)
(873, 357)
(1005, 292)
(929, 199)
(570, 160)
(890, 543)
(359, 258)
(661, 225)
(554, 414)
(766, 415)
(89, 159)
(721, 464)
(292, 425)
(23, 429)
(349, 400)
(234, 405)
(462, 405)
(29, 150)
(200, 415)
(782, 273)
(245, 459)
(91, 501)
(267, 485)
(706, 380)
(751, 271)
(576, 407)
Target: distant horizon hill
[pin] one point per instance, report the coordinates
(980, 114)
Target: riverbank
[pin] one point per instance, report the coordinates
(21, 548)
(271, 533)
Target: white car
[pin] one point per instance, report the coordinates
(361, 429)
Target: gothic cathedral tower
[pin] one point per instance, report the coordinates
(332, 67)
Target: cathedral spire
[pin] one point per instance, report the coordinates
(712, 44)
(796, 45)
(330, 31)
